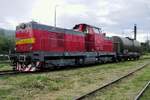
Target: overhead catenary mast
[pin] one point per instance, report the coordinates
(55, 15)
(135, 31)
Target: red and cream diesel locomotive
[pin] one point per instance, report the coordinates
(40, 47)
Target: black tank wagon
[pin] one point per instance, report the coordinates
(126, 48)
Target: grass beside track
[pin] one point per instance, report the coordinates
(62, 85)
(146, 95)
(127, 89)
(5, 66)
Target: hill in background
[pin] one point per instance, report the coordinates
(7, 32)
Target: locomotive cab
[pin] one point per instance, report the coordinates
(95, 40)
(88, 29)
(81, 28)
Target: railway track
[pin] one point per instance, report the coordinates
(91, 93)
(8, 72)
(5, 71)
(11, 72)
(142, 91)
(5, 61)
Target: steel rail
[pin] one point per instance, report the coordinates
(140, 94)
(109, 84)
(8, 72)
(11, 72)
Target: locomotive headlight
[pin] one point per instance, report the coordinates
(23, 26)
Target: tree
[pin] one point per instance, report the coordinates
(6, 43)
(146, 46)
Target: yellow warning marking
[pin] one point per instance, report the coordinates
(25, 41)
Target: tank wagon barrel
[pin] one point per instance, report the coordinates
(126, 47)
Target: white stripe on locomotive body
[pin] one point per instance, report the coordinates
(28, 68)
(19, 67)
(37, 64)
(33, 69)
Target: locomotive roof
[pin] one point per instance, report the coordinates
(36, 25)
(89, 25)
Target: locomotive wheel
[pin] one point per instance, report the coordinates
(80, 61)
(138, 58)
(114, 59)
(118, 59)
(126, 59)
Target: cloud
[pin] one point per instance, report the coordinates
(113, 16)
(44, 11)
(15, 11)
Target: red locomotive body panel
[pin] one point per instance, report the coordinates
(74, 43)
(108, 45)
(95, 39)
(38, 37)
(50, 39)
(97, 43)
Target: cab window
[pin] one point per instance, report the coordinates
(76, 28)
(96, 30)
(85, 29)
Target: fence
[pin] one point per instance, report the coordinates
(4, 57)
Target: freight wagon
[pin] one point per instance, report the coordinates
(126, 48)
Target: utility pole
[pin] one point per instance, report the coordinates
(148, 43)
(147, 36)
(55, 15)
(135, 31)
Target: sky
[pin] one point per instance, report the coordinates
(115, 17)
